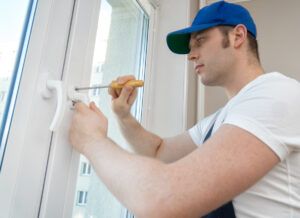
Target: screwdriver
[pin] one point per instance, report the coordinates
(114, 85)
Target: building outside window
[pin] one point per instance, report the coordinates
(82, 198)
(86, 169)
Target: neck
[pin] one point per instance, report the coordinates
(241, 77)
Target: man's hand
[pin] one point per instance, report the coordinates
(88, 125)
(123, 99)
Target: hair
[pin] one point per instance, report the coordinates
(252, 42)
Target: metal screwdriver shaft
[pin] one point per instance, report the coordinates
(114, 85)
(91, 87)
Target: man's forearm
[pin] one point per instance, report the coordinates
(137, 181)
(142, 141)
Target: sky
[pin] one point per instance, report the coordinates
(12, 17)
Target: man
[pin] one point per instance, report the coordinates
(243, 161)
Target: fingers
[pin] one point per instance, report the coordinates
(132, 97)
(123, 99)
(125, 79)
(115, 93)
(85, 109)
(125, 93)
(94, 108)
(80, 107)
(112, 92)
(90, 110)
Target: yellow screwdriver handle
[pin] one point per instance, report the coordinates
(134, 83)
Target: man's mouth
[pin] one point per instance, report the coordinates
(198, 67)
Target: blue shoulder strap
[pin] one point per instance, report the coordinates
(226, 210)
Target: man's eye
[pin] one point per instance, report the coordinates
(200, 40)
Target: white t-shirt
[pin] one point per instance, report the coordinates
(269, 108)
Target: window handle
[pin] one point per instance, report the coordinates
(57, 86)
(61, 95)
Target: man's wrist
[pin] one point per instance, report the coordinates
(93, 146)
(126, 119)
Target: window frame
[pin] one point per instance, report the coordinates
(60, 185)
(12, 91)
(54, 159)
(29, 142)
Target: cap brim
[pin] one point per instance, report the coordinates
(178, 41)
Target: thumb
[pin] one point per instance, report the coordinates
(94, 108)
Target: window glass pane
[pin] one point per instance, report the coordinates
(120, 50)
(15, 25)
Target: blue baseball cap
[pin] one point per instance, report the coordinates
(217, 14)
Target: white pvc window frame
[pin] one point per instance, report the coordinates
(150, 8)
(60, 185)
(29, 140)
(15, 79)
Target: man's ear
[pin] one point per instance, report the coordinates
(239, 35)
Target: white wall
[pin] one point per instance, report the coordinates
(278, 34)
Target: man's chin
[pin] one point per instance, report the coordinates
(207, 82)
(204, 80)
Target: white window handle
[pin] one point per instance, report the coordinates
(58, 87)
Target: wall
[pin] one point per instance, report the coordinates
(278, 34)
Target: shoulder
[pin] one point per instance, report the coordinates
(269, 84)
(269, 109)
(270, 93)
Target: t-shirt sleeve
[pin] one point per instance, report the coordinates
(271, 116)
(261, 132)
(198, 131)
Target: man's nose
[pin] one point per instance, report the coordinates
(193, 55)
